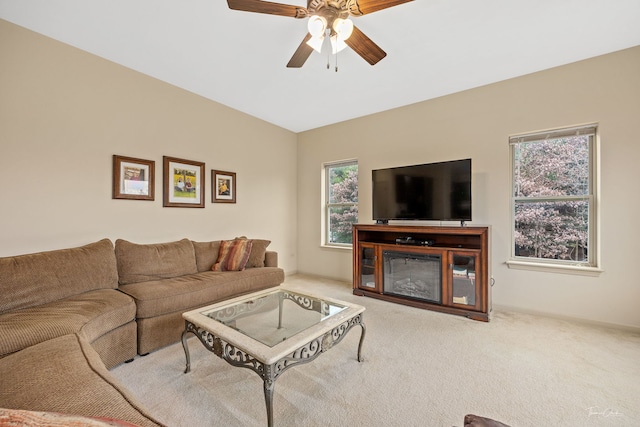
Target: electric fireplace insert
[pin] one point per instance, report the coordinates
(413, 275)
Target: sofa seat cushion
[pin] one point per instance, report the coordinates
(183, 293)
(92, 314)
(141, 263)
(35, 279)
(66, 375)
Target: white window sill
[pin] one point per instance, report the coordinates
(340, 247)
(555, 268)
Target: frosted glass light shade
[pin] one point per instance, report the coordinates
(316, 43)
(343, 27)
(337, 44)
(317, 25)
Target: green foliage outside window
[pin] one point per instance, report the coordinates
(342, 202)
(552, 199)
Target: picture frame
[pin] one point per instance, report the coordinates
(133, 179)
(183, 183)
(223, 187)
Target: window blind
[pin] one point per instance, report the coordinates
(553, 134)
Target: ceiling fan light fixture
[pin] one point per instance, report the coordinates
(317, 26)
(343, 27)
(325, 18)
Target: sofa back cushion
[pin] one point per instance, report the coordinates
(141, 263)
(206, 254)
(258, 251)
(35, 279)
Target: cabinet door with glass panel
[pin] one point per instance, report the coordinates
(368, 279)
(464, 270)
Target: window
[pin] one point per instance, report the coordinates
(554, 198)
(341, 202)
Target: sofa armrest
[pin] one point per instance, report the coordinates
(271, 259)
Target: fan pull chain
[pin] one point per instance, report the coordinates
(327, 38)
(328, 59)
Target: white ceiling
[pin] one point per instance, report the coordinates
(434, 48)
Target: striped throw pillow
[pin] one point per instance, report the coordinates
(233, 255)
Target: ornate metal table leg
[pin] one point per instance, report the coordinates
(280, 312)
(186, 349)
(268, 398)
(364, 330)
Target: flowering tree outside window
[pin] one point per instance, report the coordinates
(341, 202)
(553, 196)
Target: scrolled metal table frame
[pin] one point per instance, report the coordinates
(269, 373)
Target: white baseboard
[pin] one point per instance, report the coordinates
(629, 328)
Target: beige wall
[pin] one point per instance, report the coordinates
(477, 124)
(64, 113)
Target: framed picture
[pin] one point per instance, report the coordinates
(223, 187)
(133, 178)
(183, 182)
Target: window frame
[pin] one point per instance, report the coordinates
(592, 266)
(326, 217)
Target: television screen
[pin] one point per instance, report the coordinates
(433, 191)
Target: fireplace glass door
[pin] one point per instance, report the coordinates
(413, 275)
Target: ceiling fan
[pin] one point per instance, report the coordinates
(327, 18)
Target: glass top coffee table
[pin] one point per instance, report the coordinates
(272, 331)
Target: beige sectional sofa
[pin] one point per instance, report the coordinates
(68, 291)
(67, 316)
(167, 279)
(65, 375)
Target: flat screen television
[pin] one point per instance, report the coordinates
(433, 191)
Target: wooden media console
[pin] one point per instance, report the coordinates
(437, 268)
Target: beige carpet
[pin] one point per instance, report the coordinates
(421, 368)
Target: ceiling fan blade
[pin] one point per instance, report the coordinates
(301, 54)
(363, 7)
(365, 47)
(270, 8)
